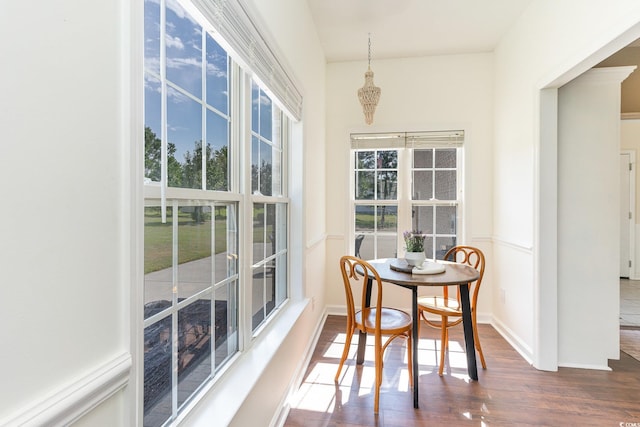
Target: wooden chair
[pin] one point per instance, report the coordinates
(376, 319)
(449, 309)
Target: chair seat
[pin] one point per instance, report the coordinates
(392, 321)
(439, 305)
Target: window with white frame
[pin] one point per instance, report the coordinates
(216, 208)
(405, 182)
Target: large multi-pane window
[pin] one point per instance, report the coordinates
(205, 200)
(405, 182)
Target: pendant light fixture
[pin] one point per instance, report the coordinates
(369, 94)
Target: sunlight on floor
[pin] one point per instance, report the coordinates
(319, 393)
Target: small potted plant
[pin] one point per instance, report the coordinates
(414, 246)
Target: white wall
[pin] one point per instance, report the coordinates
(64, 250)
(589, 217)
(551, 44)
(431, 93)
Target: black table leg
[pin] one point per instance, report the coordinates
(468, 332)
(362, 338)
(415, 338)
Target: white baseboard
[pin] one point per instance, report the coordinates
(514, 341)
(70, 402)
(584, 366)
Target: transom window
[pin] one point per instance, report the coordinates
(405, 181)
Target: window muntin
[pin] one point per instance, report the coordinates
(192, 283)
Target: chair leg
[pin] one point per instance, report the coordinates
(410, 357)
(378, 365)
(443, 344)
(476, 338)
(345, 351)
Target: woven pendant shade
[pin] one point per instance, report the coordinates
(369, 94)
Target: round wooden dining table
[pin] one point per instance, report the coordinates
(397, 272)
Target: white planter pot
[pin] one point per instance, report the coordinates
(414, 258)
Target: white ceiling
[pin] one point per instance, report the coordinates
(406, 28)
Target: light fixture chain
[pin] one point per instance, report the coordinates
(369, 50)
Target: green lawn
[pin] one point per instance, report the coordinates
(194, 237)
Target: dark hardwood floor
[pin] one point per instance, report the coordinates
(509, 392)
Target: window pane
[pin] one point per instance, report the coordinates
(258, 232)
(184, 124)
(266, 165)
(358, 245)
(152, 128)
(365, 160)
(259, 294)
(387, 185)
(281, 279)
(422, 219)
(365, 185)
(226, 322)
(225, 241)
(255, 165)
(422, 185)
(388, 159)
(184, 50)
(365, 218)
(217, 152)
(194, 250)
(158, 256)
(281, 227)
(266, 116)
(367, 248)
(217, 76)
(152, 36)
(387, 247)
(446, 219)
(255, 108)
(446, 158)
(443, 244)
(157, 372)
(422, 158)
(194, 347)
(445, 185)
(387, 218)
(270, 244)
(428, 246)
(276, 173)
